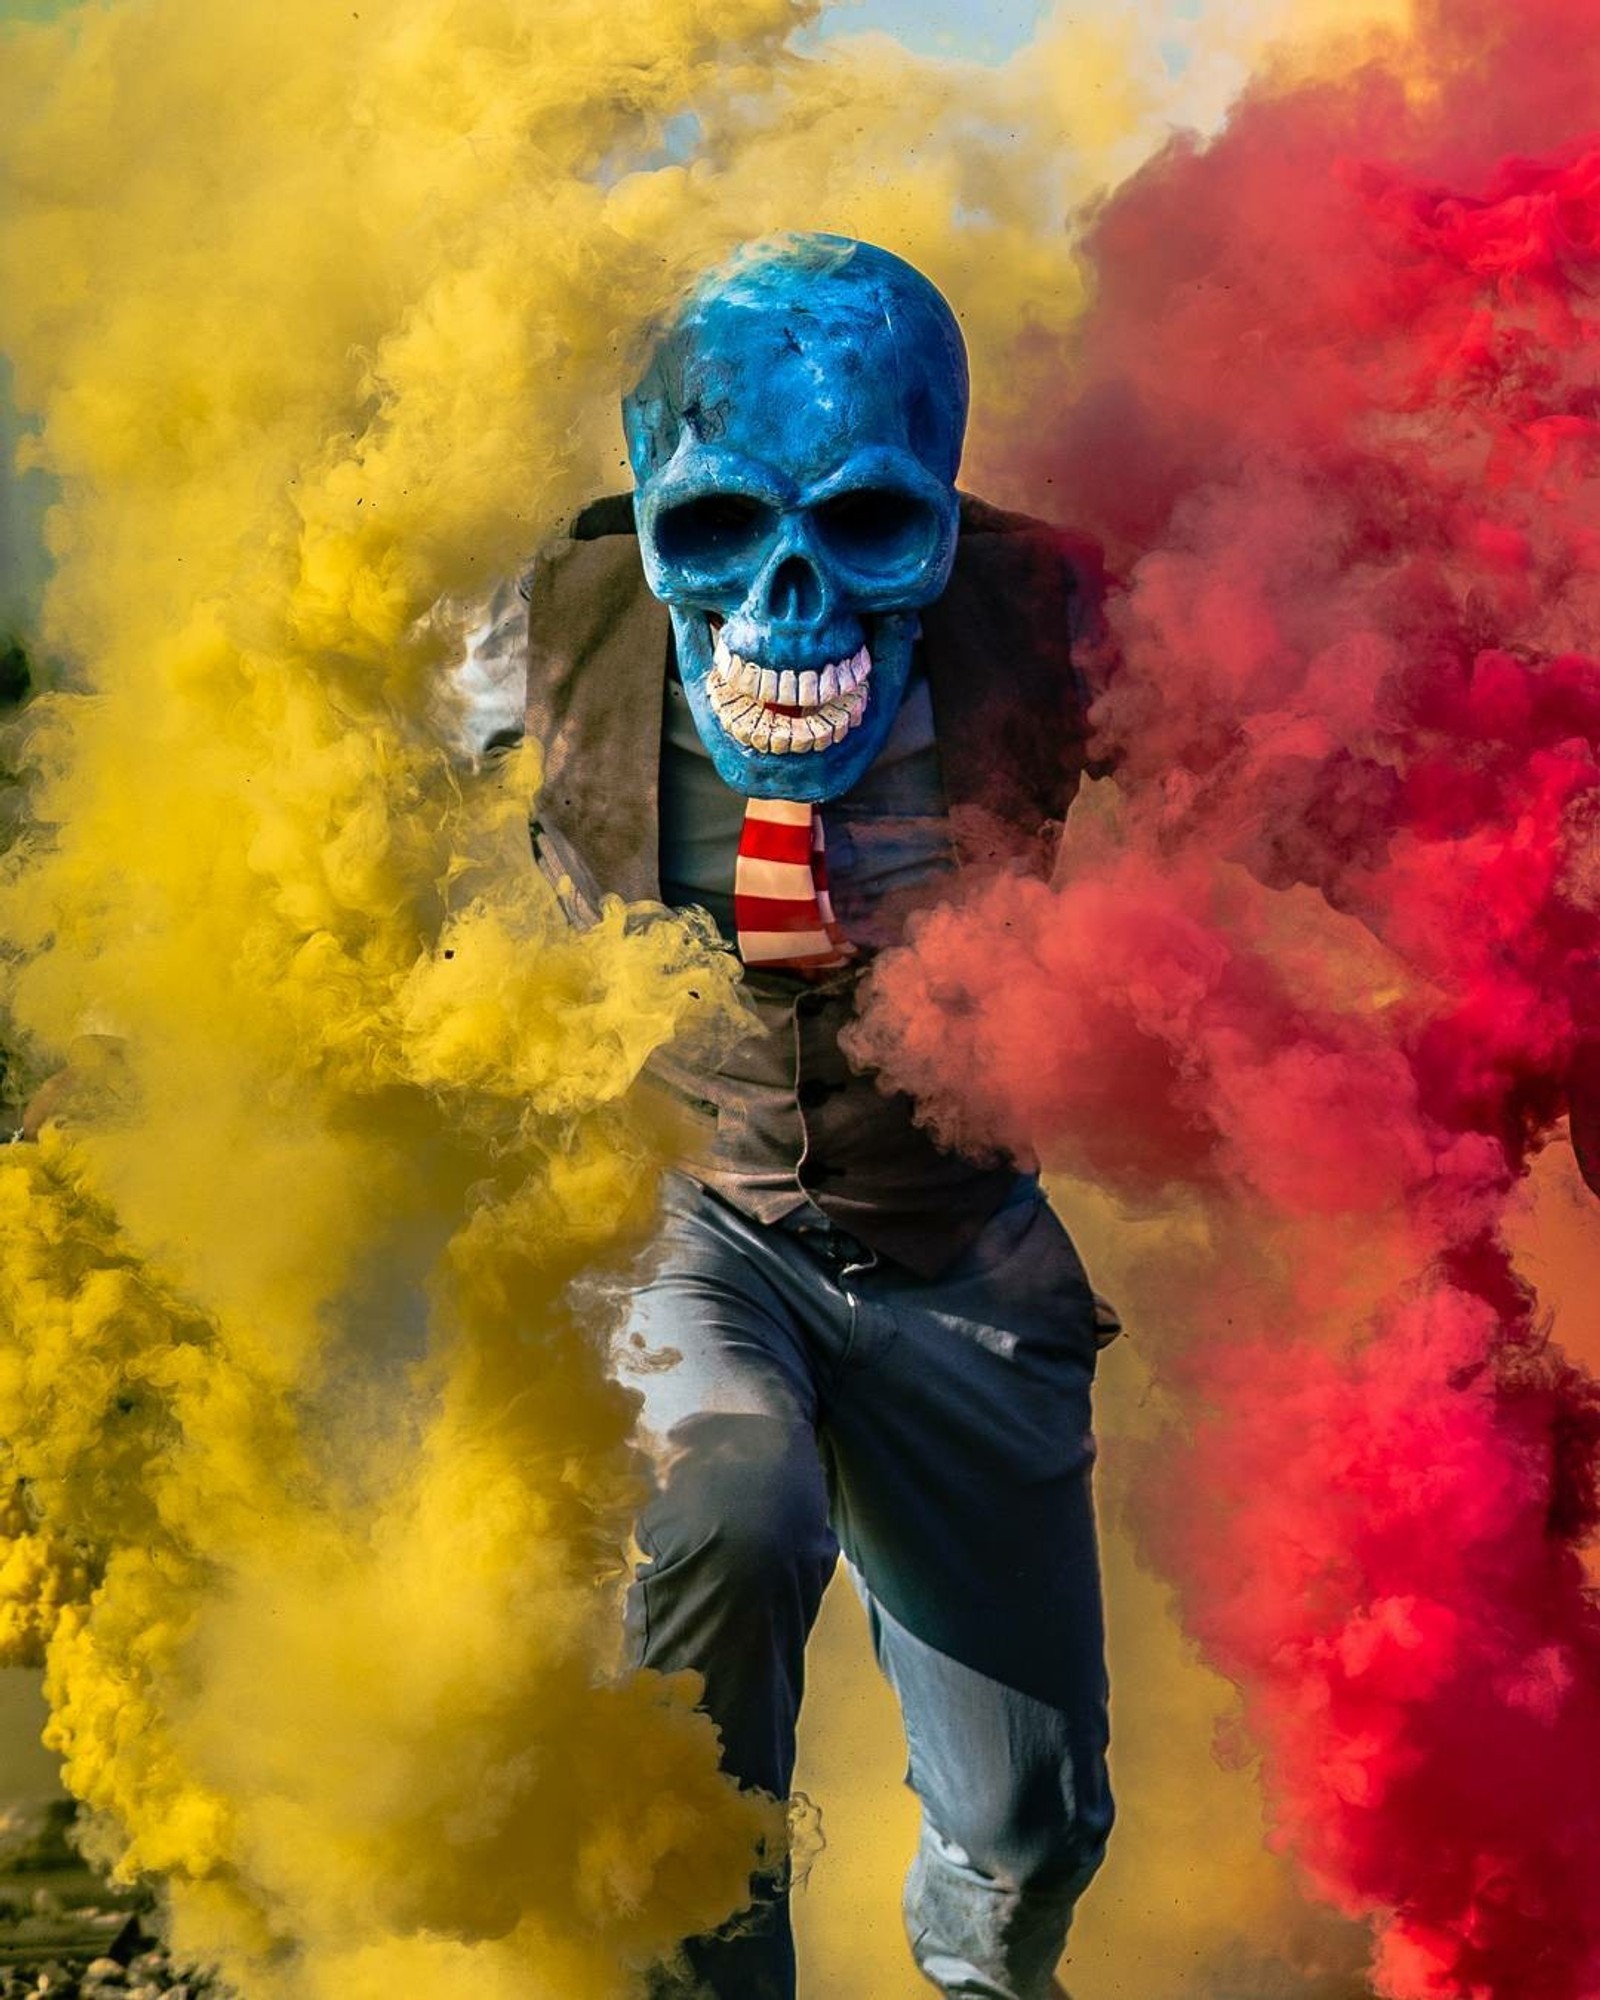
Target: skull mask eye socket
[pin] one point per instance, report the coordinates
(878, 531)
(713, 533)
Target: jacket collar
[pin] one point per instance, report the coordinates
(1007, 702)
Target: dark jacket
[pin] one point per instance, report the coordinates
(1004, 649)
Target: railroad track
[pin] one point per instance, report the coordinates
(76, 1935)
(68, 1934)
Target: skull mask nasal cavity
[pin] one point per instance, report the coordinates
(795, 441)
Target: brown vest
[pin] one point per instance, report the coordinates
(1005, 649)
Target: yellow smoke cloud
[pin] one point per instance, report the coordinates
(320, 1482)
(323, 316)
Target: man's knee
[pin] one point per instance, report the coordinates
(745, 1495)
(1046, 1841)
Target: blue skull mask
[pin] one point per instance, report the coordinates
(794, 442)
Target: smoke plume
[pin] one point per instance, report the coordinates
(318, 1488)
(1321, 973)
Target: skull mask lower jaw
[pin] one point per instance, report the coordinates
(794, 442)
(807, 733)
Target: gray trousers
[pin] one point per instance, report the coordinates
(802, 1396)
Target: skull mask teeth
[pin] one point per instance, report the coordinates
(795, 441)
(783, 712)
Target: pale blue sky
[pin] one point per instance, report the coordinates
(986, 30)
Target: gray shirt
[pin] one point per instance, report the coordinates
(889, 848)
(888, 840)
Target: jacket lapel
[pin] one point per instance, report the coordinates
(596, 686)
(1009, 704)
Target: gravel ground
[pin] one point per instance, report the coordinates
(148, 1975)
(66, 1934)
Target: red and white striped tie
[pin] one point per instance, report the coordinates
(781, 908)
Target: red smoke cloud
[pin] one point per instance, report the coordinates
(1336, 964)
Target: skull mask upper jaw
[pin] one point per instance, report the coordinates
(795, 442)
